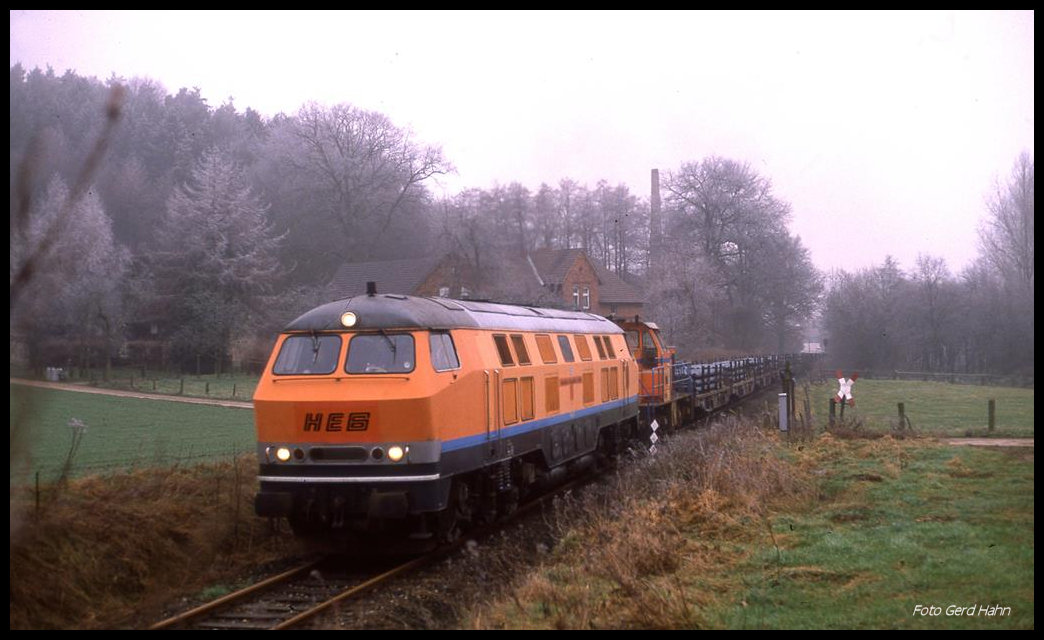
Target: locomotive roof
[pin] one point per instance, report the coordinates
(391, 311)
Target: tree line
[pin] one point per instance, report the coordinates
(202, 230)
(928, 319)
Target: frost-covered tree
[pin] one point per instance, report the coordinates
(216, 262)
(74, 299)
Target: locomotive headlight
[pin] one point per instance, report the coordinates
(348, 319)
(395, 453)
(283, 454)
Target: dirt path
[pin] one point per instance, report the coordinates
(60, 386)
(991, 442)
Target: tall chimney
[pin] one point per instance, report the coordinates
(655, 230)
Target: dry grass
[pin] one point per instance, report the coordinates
(101, 552)
(646, 550)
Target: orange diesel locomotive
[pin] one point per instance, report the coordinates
(389, 411)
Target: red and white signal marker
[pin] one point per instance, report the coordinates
(844, 394)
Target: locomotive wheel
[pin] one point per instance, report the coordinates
(447, 526)
(508, 502)
(449, 521)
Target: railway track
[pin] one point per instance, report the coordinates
(293, 597)
(299, 595)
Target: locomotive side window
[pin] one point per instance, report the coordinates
(308, 355)
(582, 347)
(608, 347)
(520, 349)
(547, 349)
(443, 353)
(567, 351)
(380, 353)
(551, 394)
(504, 351)
(598, 344)
(527, 398)
(509, 396)
(632, 341)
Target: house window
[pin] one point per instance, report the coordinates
(576, 296)
(587, 298)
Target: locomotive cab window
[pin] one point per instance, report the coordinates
(567, 351)
(443, 353)
(380, 353)
(308, 355)
(632, 340)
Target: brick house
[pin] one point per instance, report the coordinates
(563, 278)
(580, 283)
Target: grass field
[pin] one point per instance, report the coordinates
(239, 387)
(741, 527)
(937, 408)
(898, 525)
(119, 433)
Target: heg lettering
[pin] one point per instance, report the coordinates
(337, 421)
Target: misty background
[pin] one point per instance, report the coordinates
(151, 227)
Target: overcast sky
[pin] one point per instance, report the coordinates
(885, 131)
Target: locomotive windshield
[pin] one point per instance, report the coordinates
(308, 355)
(380, 353)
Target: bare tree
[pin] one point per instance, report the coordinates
(723, 211)
(1007, 234)
(369, 169)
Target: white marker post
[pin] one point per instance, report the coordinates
(653, 439)
(783, 412)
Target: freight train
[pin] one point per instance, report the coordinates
(395, 414)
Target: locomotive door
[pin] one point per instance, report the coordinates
(493, 412)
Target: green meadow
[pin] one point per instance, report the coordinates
(116, 433)
(937, 408)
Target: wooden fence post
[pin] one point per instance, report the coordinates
(992, 412)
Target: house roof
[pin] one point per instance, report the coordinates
(391, 276)
(553, 265)
(614, 289)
